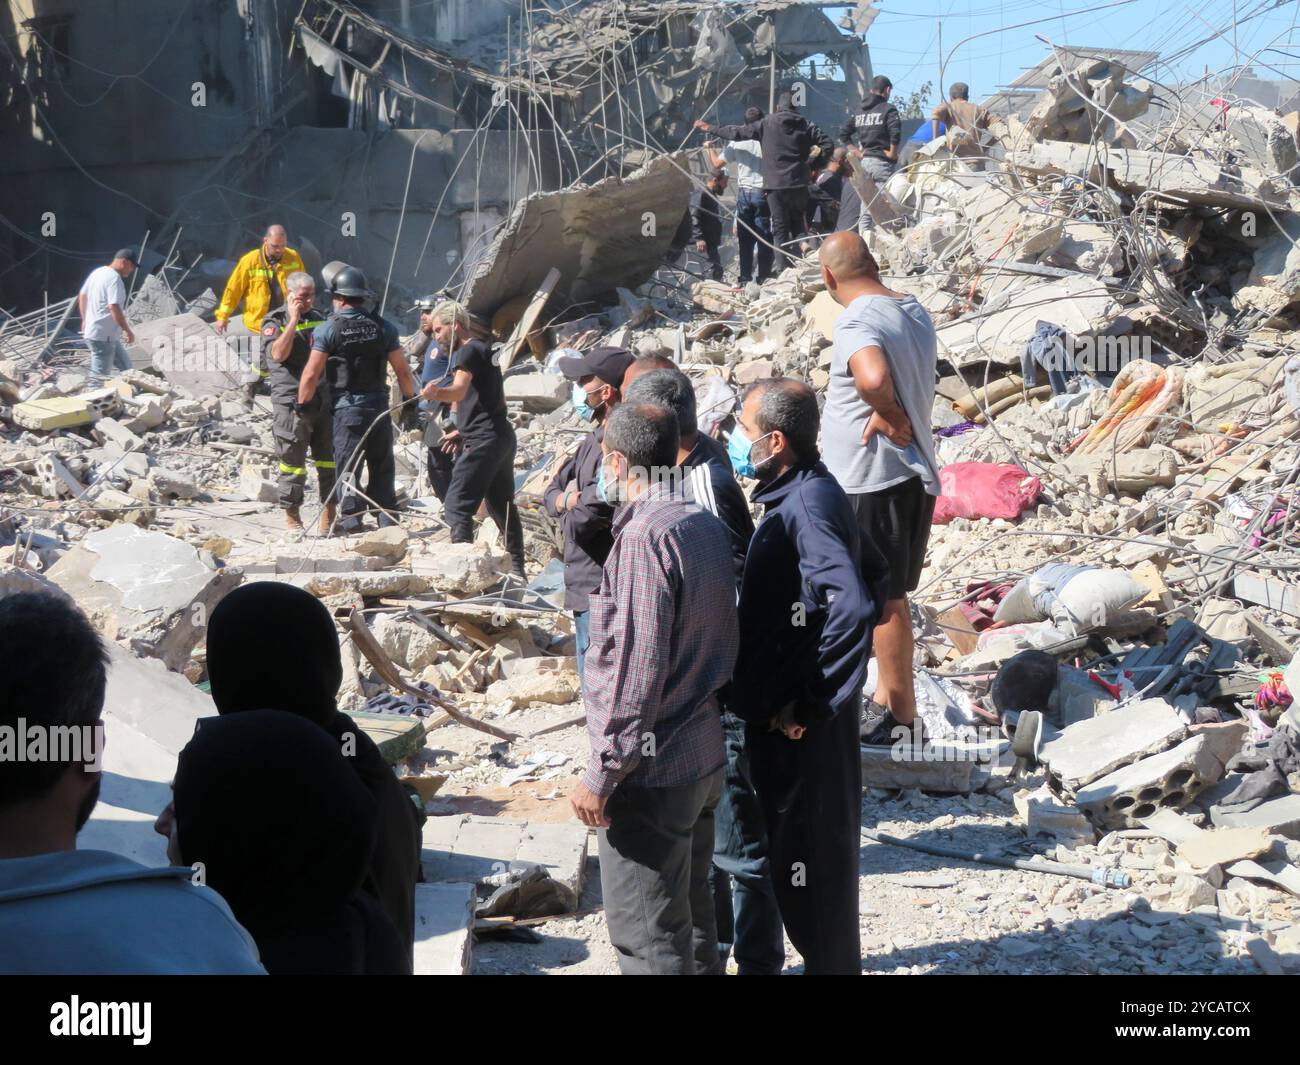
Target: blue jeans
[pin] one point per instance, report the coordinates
(582, 636)
(107, 357)
(753, 229)
(749, 919)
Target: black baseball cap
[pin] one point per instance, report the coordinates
(609, 364)
(129, 254)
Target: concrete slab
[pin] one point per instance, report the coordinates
(880, 769)
(145, 587)
(467, 848)
(444, 929)
(600, 237)
(189, 353)
(1090, 749)
(1280, 816)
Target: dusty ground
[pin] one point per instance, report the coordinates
(920, 913)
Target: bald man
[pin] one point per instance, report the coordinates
(878, 445)
(258, 282)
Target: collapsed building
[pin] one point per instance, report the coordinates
(1108, 625)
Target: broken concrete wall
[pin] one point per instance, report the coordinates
(613, 233)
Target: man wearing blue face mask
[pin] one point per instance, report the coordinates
(573, 496)
(805, 636)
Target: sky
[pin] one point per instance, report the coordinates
(905, 36)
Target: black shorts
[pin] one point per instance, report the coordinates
(895, 526)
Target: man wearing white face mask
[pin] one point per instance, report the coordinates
(663, 643)
(573, 496)
(805, 636)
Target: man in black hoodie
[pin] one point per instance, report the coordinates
(805, 637)
(787, 140)
(876, 131)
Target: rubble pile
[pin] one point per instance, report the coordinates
(1108, 625)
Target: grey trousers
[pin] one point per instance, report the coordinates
(655, 859)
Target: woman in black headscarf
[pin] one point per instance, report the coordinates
(273, 645)
(267, 806)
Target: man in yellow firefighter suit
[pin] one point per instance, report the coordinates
(258, 281)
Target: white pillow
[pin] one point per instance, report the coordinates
(1089, 600)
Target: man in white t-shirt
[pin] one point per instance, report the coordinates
(102, 303)
(753, 220)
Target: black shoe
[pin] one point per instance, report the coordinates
(878, 726)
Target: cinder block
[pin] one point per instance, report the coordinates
(1090, 749)
(1169, 780)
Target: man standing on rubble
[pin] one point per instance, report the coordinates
(787, 140)
(753, 219)
(350, 350)
(663, 643)
(706, 221)
(964, 121)
(876, 131)
(805, 636)
(485, 469)
(442, 440)
(102, 305)
(574, 497)
(879, 447)
(287, 338)
(258, 282)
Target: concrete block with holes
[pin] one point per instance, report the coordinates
(1165, 781)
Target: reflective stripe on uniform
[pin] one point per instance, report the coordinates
(321, 464)
(295, 470)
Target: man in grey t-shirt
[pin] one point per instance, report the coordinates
(876, 441)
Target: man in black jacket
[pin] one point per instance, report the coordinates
(706, 221)
(574, 495)
(805, 637)
(787, 140)
(876, 131)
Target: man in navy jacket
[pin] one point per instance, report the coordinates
(805, 637)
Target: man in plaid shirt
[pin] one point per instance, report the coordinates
(664, 639)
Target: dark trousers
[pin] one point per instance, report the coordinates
(810, 791)
(485, 470)
(749, 920)
(789, 209)
(353, 415)
(654, 876)
(753, 230)
(440, 465)
(294, 434)
(715, 261)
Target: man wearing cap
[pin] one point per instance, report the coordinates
(350, 351)
(574, 495)
(485, 470)
(441, 438)
(101, 302)
(258, 282)
(287, 338)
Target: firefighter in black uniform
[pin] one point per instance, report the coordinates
(287, 340)
(485, 469)
(351, 350)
